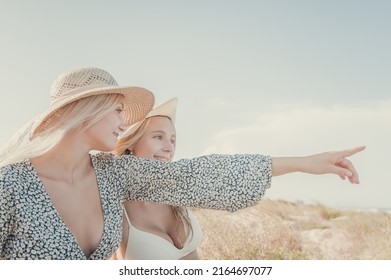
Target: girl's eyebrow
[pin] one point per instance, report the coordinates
(161, 131)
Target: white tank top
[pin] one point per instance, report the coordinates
(148, 246)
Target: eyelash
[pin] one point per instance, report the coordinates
(161, 137)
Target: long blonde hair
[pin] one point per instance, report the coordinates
(122, 148)
(80, 114)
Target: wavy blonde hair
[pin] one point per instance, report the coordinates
(78, 115)
(122, 148)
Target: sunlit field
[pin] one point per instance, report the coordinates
(280, 230)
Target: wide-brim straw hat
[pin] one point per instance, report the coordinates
(85, 82)
(167, 109)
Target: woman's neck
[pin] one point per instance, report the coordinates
(68, 160)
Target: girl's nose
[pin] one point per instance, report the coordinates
(168, 147)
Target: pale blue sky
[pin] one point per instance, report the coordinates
(272, 77)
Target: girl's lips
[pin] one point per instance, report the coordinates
(161, 158)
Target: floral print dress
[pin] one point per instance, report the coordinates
(31, 228)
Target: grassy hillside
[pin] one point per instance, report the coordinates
(280, 230)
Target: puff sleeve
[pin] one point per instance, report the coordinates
(222, 182)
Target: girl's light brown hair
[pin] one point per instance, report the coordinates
(123, 147)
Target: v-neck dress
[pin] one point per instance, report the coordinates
(31, 228)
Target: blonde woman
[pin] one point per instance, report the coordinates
(155, 231)
(59, 201)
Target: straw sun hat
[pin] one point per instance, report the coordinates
(84, 82)
(167, 109)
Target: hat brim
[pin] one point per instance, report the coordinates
(138, 102)
(167, 109)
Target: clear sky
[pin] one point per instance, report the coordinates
(283, 78)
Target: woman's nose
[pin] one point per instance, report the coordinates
(121, 127)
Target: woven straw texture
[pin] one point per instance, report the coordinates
(84, 82)
(167, 109)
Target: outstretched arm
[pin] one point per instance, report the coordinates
(324, 163)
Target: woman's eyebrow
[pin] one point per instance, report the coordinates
(160, 131)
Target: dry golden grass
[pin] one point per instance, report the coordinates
(280, 230)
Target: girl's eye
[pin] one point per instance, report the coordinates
(158, 137)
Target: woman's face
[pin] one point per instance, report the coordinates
(158, 141)
(103, 135)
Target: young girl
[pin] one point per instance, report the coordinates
(154, 231)
(59, 201)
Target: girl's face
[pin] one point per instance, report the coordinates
(103, 135)
(158, 141)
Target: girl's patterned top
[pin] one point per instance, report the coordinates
(31, 228)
